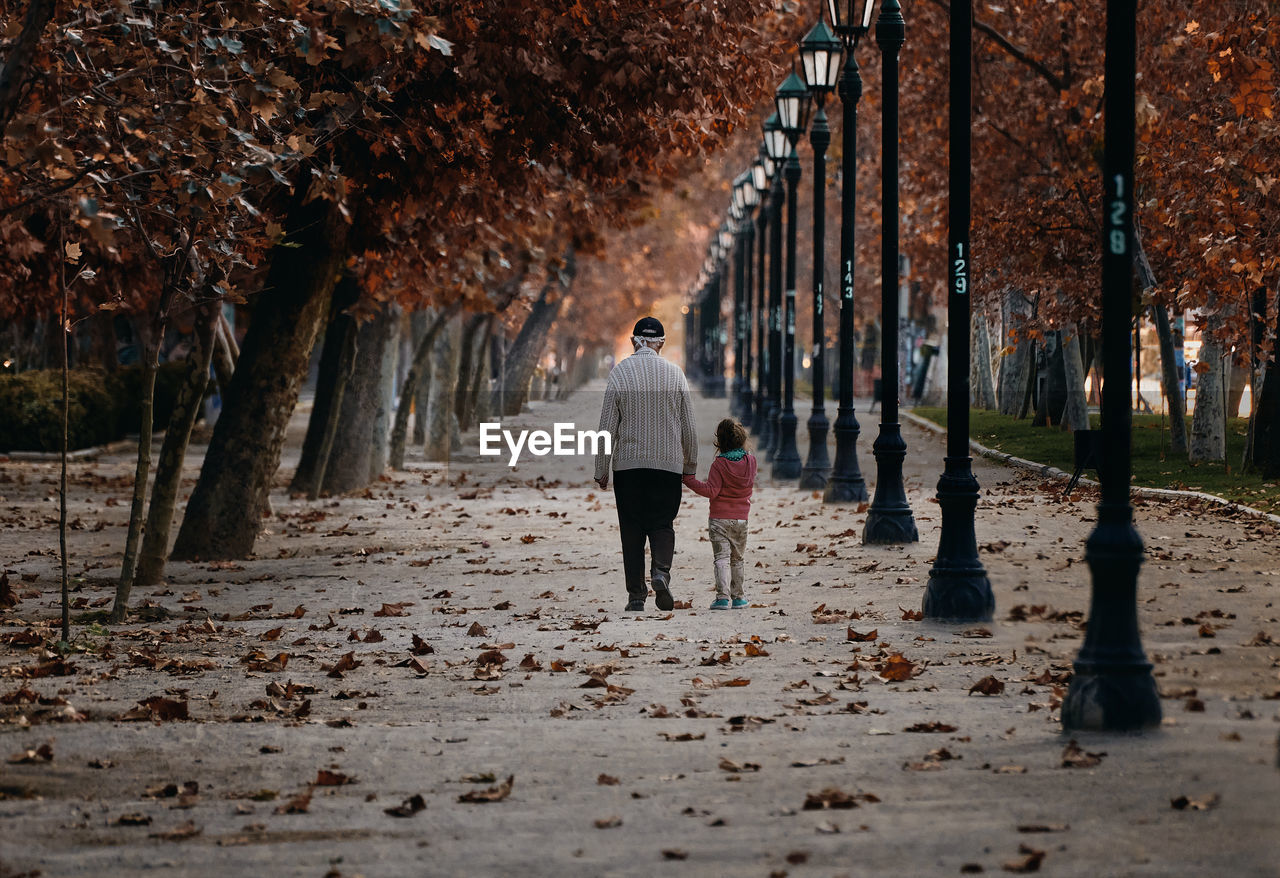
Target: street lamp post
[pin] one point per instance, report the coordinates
(761, 172)
(820, 54)
(1112, 688)
(958, 588)
(746, 192)
(846, 484)
(775, 142)
(724, 241)
(793, 100)
(739, 287)
(889, 520)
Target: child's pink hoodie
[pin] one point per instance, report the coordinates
(728, 485)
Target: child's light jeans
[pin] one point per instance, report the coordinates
(728, 543)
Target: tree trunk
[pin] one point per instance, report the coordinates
(385, 404)
(1208, 438)
(125, 584)
(224, 513)
(336, 359)
(524, 353)
(351, 463)
(168, 481)
(1076, 415)
(1174, 401)
(415, 391)
(1266, 418)
(224, 357)
(442, 423)
(468, 364)
(980, 378)
(1257, 372)
(1236, 384)
(1016, 364)
(18, 59)
(1033, 372)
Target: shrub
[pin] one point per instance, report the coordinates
(101, 407)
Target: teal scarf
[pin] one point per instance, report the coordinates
(734, 454)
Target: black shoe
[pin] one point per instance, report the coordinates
(662, 597)
(635, 605)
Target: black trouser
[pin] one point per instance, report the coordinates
(648, 500)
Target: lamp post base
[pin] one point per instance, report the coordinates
(846, 484)
(786, 461)
(958, 589)
(1112, 688)
(889, 520)
(774, 433)
(817, 466)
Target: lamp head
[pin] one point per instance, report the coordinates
(820, 53)
(793, 101)
(775, 140)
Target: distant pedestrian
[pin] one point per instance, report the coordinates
(654, 441)
(729, 485)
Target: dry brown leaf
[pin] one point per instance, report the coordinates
(987, 686)
(1073, 756)
(393, 609)
(421, 647)
(408, 807)
(327, 778)
(492, 794)
(1201, 803)
(869, 637)
(608, 822)
(299, 804)
(607, 780)
(1030, 861)
(178, 833)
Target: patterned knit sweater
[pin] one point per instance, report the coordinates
(649, 416)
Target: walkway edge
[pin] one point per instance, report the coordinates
(1052, 472)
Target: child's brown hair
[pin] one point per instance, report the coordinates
(730, 435)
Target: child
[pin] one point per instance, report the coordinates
(728, 485)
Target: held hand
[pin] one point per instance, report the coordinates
(603, 482)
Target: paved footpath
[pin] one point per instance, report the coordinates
(434, 677)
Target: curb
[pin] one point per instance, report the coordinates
(1052, 472)
(78, 454)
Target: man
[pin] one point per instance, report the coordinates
(649, 417)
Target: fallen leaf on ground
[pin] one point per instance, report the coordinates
(327, 778)
(133, 819)
(683, 736)
(733, 767)
(421, 647)
(1029, 863)
(408, 807)
(178, 833)
(43, 753)
(1043, 827)
(1075, 757)
(868, 637)
(345, 663)
(898, 668)
(299, 804)
(493, 794)
(987, 686)
(608, 822)
(477, 630)
(832, 797)
(607, 780)
(933, 726)
(157, 708)
(393, 609)
(1202, 803)
(673, 854)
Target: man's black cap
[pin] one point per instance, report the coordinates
(648, 327)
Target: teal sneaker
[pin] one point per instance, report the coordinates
(739, 603)
(720, 604)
